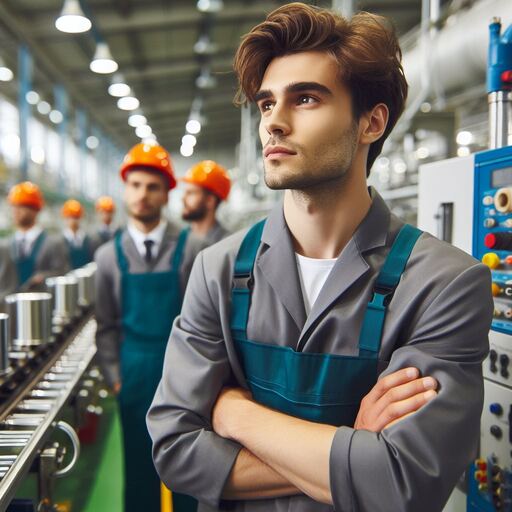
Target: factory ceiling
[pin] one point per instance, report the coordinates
(154, 43)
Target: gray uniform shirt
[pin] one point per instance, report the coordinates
(108, 307)
(437, 321)
(52, 260)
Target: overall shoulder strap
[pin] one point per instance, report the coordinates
(384, 287)
(177, 256)
(242, 280)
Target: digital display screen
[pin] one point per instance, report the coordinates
(501, 177)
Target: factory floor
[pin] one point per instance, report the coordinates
(95, 484)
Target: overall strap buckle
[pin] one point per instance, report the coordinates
(242, 281)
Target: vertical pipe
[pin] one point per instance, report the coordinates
(61, 103)
(25, 65)
(81, 121)
(344, 7)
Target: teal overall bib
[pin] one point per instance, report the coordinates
(26, 265)
(325, 388)
(79, 256)
(149, 303)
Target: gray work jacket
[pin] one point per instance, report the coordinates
(108, 308)
(437, 321)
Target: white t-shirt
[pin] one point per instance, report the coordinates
(312, 273)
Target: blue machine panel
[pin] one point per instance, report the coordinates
(492, 236)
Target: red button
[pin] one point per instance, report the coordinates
(506, 77)
(490, 240)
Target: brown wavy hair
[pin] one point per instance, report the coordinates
(365, 47)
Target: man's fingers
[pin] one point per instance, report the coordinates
(403, 392)
(398, 410)
(392, 380)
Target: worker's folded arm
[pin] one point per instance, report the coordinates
(190, 458)
(414, 464)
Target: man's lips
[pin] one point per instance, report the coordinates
(277, 151)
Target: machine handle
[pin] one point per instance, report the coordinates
(444, 217)
(68, 429)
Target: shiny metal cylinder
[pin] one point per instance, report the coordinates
(500, 119)
(31, 319)
(85, 278)
(65, 299)
(4, 343)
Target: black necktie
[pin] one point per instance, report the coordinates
(148, 244)
(22, 247)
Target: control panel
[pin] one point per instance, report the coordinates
(492, 235)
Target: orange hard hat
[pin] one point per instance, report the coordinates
(72, 208)
(211, 176)
(105, 204)
(151, 157)
(26, 194)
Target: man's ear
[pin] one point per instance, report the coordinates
(373, 123)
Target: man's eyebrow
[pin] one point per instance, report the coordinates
(293, 88)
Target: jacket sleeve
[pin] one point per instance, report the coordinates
(108, 332)
(8, 274)
(189, 457)
(414, 465)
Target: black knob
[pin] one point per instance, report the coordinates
(493, 355)
(504, 360)
(499, 241)
(496, 432)
(504, 373)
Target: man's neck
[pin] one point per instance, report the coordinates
(323, 220)
(201, 227)
(25, 229)
(145, 227)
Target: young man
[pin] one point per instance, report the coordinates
(35, 254)
(106, 209)
(207, 184)
(335, 322)
(79, 244)
(141, 276)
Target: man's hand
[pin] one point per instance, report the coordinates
(116, 388)
(230, 404)
(393, 397)
(37, 279)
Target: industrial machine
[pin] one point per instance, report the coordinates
(468, 202)
(46, 355)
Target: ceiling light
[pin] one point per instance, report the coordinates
(137, 120)
(464, 138)
(103, 61)
(204, 46)
(210, 5)
(205, 80)
(128, 103)
(186, 151)
(37, 155)
(32, 97)
(92, 142)
(463, 151)
(143, 131)
(72, 19)
(56, 117)
(44, 108)
(118, 88)
(6, 75)
(193, 126)
(189, 140)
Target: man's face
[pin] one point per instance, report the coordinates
(145, 195)
(307, 130)
(195, 203)
(24, 217)
(106, 217)
(73, 224)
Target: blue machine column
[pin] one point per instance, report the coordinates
(61, 103)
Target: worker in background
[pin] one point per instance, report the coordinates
(78, 242)
(105, 209)
(141, 277)
(330, 357)
(35, 253)
(207, 184)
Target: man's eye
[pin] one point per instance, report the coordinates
(265, 106)
(305, 99)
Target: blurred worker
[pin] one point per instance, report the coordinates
(105, 209)
(36, 254)
(78, 242)
(302, 373)
(207, 184)
(141, 277)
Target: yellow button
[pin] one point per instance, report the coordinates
(491, 259)
(495, 290)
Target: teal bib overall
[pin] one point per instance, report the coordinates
(26, 265)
